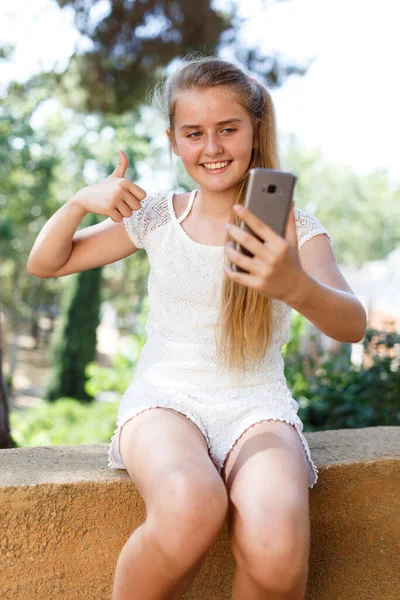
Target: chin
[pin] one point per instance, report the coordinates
(218, 187)
(217, 183)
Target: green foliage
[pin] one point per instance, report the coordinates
(28, 160)
(292, 346)
(47, 153)
(333, 393)
(64, 422)
(133, 42)
(76, 339)
(117, 377)
(348, 204)
(67, 421)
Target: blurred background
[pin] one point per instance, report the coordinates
(74, 83)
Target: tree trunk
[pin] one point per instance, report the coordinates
(6, 440)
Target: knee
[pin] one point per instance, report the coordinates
(280, 571)
(276, 557)
(188, 510)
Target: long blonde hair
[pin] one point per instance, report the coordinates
(244, 325)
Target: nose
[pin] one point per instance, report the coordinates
(213, 145)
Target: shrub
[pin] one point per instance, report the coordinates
(333, 393)
(64, 422)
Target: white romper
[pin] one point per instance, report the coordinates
(177, 366)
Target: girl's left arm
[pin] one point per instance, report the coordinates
(323, 295)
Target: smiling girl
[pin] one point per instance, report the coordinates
(208, 427)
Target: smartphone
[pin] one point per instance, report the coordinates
(268, 195)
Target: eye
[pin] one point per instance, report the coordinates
(194, 134)
(229, 129)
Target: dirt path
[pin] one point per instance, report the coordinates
(33, 367)
(30, 375)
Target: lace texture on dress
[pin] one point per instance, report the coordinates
(184, 285)
(153, 213)
(307, 226)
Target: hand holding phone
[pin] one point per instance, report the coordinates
(268, 194)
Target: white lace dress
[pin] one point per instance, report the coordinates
(177, 368)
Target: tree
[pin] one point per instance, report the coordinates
(43, 161)
(134, 42)
(361, 212)
(6, 440)
(75, 341)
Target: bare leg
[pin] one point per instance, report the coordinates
(186, 582)
(144, 572)
(186, 505)
(269, 515)
(246, 587)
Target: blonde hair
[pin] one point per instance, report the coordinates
(244, 325)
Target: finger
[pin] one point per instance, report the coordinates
(252, 265)
(115, 215)
(243, 278)
(122, 166)
(260, 228)
(291, 229)
(123, 208)
(132, 202)
(134, 189)
(130, 198)
(248, 241)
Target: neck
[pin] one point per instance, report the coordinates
(215, 206)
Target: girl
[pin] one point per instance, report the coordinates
(208, 426)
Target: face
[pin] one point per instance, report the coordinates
(213, 135)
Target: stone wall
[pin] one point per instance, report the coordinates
(64, 517)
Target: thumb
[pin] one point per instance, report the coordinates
(122, 166)
(291, 230)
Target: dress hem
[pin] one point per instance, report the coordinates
(312, 470)
(114, 456)
(115, 459)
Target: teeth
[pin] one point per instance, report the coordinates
(219, 165)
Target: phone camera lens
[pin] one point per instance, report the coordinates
(271, 189)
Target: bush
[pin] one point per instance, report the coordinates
(333, 393)
(64, 422)
(68, 421)
(123, 365)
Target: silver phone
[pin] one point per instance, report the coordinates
(268, 195)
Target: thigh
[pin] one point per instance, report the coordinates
(160, 440)
(267, 480)
(272, 449)
(268, 516)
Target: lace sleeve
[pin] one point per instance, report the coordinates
(138, 224)
(308, 226)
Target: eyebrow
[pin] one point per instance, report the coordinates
(219, 123)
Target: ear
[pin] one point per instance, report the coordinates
(172, 141)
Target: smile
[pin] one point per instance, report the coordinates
(216, 166)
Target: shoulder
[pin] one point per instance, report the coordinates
(153, 199)
(152, 214)
(307, 226)
(303, 217)
(180, 202)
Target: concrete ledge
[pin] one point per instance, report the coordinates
(64, 517)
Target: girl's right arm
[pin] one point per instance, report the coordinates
(61, 250)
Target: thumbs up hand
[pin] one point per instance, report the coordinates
(115, 197)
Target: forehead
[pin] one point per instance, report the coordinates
(207, 107)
